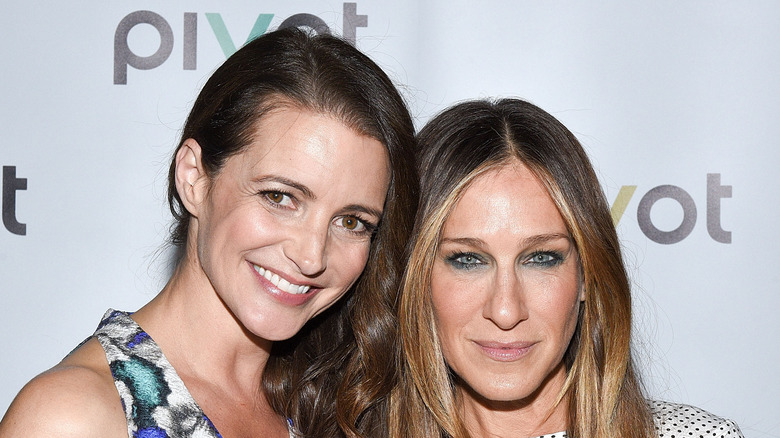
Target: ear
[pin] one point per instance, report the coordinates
(582, 291)
(191, 179)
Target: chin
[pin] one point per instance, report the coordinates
(504, 395)
(273, 330)
(498, 392)
(279, 333)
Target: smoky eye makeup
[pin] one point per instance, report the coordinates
(545, 258)
(464, 260)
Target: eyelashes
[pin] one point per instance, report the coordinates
(546, 258)
(278, 199)
(465, 261)
(356, 225)
(468, 261)
(352, 224)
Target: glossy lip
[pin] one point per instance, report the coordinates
(505, 351)
(283, 296)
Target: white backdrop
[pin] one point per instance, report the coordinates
(660, 93)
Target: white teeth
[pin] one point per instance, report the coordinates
(281, 283)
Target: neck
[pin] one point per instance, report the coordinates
(199, 335)
(533, 416)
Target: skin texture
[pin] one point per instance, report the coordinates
(506, 294)
(299, 202)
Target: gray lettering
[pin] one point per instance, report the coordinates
(646, 224)
(716, 192)
(10, 185)
(123, 56)
(190, 40)
(310, 21)
(352, 21)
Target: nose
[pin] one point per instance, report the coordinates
(306, 247)
(505, 305)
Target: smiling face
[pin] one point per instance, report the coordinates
(285, 227)
(505, 289)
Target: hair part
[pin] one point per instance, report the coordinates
(604, 394)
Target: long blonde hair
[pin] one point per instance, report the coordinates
(604, 394)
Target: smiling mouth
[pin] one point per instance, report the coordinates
(280, 282)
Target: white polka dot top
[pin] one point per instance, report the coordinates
(682, 421)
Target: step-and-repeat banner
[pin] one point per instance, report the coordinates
(676, 102)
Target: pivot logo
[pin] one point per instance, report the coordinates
(124, 57)
(11, 184)
(715, 192)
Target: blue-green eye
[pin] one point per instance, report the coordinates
(465, 260)
(545, 259)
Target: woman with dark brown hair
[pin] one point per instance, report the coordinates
(293, 174)
(515, 313)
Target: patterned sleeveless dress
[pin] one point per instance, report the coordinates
(154, 398)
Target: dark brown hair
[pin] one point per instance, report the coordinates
(331, 378)
(604, 394)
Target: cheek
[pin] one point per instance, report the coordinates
(235, 216)
(444, 298)
(246, 227)
(560, 309)
(456, 304)
(348, 261)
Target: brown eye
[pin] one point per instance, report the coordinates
(354, 225)
(350, 222)
(279, 199)
(276, 197)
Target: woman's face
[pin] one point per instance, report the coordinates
(505, 288)
(286, 226)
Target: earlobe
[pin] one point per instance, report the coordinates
(190, 177)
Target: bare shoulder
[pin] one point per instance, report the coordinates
(75, 398)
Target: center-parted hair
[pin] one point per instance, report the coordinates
(332, 378)
(604, 394)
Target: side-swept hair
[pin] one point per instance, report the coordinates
(332, 378)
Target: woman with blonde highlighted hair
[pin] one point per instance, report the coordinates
(515, 313)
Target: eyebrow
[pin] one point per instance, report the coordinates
(363, 209)
(544, 238)
(530, 241)
(288, 182)
(468, 241)
(310, 195)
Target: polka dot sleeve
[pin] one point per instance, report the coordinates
(682, 421)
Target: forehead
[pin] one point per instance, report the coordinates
(508, 199)
(314, 152)
(288, 134)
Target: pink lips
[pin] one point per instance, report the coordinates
(505, 351)
(282, 296)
